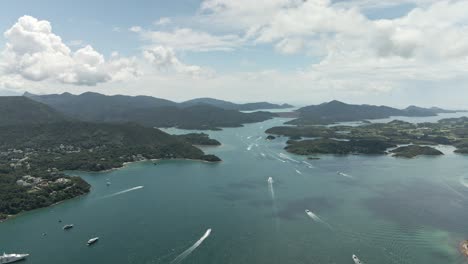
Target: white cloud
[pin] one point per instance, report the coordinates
(33, 52)
(135, 29)
(290, 46)
(165, 59)
(192, 40)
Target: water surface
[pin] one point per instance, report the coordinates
(385, 210)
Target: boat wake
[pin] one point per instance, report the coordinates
(345, 175)
(124, 191)
(284, 156)
(308, 164)
(188, 251)
(270, 187)
(317, 219)
(299, 172)
(273, 201)
(464, 181)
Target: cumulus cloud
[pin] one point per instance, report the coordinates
(165, 59)
(35, 53)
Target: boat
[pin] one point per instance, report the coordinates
(9, 258)
(356, 259)
(270, 179)
(65, 227)
(93, 240)
(108, 183)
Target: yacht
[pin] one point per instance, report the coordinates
(356, 260)
(92, 241)
(67, 227)
(9, 258)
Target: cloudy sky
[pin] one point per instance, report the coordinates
(396, 52)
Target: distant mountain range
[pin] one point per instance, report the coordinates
(149, 101)
(150, 111)
(234, 106)
(336, 111)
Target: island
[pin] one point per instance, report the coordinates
(377, 138)
(412, 151)
(38, 144)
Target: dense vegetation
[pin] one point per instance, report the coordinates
(200, 139)
(415, 150)
(37, 144)
(331, 146)
(336, 111)
(43, 151)
(15, 110)
(359, 139)
(148, 111)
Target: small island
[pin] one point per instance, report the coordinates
(270, 137)
(377, 138)
(412, 151)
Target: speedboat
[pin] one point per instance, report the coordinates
(9, 258)
(270, 179)
(93, 240)
(356, 260)
(65, 227)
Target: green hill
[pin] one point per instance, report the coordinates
(233, 106)
(16, 110)
(336, 111)
(147, 111)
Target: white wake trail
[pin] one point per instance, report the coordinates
(317, 219)
(299, 172)
(345, 175)
(284, 156)
(273, 201)
(187, 252)
(124, 191)
(308, 164)
(464, 181)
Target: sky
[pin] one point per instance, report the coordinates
(398, 52)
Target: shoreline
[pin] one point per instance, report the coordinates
(124, 165)
(9, 217)
(464, 248)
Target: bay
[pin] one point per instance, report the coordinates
(383, 209)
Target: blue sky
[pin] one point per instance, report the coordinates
(363, 51)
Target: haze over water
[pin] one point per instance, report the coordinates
(387, 211)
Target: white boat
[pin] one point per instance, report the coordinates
(356, 259)
(9, 258)
(67, 227)
(93, 240)
(270, 180)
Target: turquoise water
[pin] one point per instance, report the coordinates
(383, 209)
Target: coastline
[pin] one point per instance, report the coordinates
(124, 165)
(9, 217)
(464, 248)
